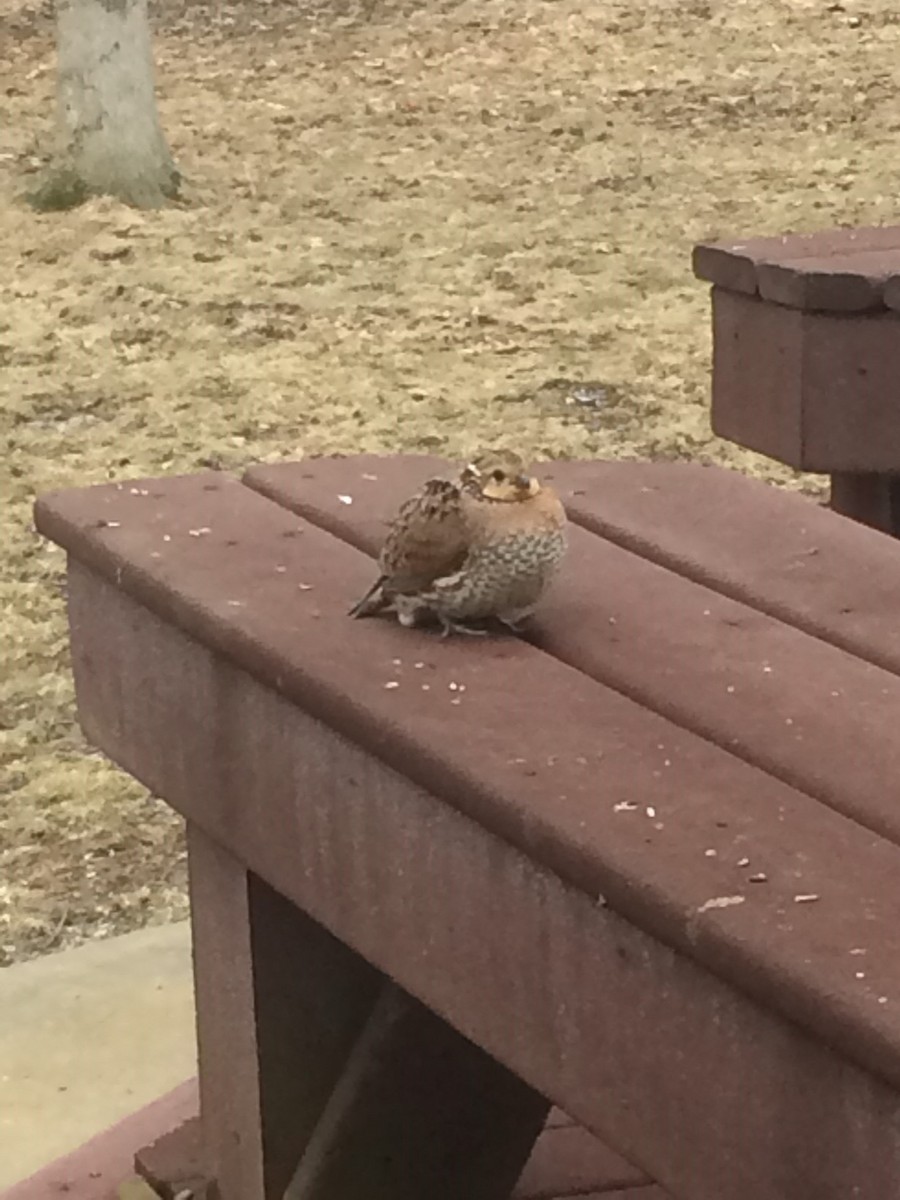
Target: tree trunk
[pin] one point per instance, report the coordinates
(113, 142)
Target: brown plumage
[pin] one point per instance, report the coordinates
(485, 545)
(428, 538)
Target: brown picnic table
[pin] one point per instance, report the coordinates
(644, 865)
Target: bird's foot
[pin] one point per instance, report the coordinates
(518, 622)
(448, 627)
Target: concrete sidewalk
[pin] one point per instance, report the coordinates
(88, 1036)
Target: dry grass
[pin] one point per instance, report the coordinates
(402, 223)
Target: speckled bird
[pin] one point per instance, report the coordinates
(484, 545)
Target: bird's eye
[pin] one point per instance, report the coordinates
(497, 476)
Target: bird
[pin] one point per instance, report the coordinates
(482, 545)
(427, 538)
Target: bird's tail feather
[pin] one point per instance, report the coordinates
(374, 601)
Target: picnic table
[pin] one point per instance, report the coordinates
(641, 864)
(806, 355)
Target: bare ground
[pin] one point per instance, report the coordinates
(404, 226)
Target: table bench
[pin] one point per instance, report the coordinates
(643, 865)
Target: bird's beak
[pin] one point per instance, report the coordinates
(471, 469)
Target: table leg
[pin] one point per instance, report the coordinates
(280, 1004)
(320, 1076)
(873, 499)
(419, 1112)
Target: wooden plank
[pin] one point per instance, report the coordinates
(741, 265)
(776, 551)
(830, 283)
(807, 712)
(639, 1042)
(534, 750)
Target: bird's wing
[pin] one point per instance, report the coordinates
(428, 538)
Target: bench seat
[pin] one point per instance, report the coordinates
(647, 859)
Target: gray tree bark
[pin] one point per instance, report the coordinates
(113, 143)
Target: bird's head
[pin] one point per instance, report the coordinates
(499, 475)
